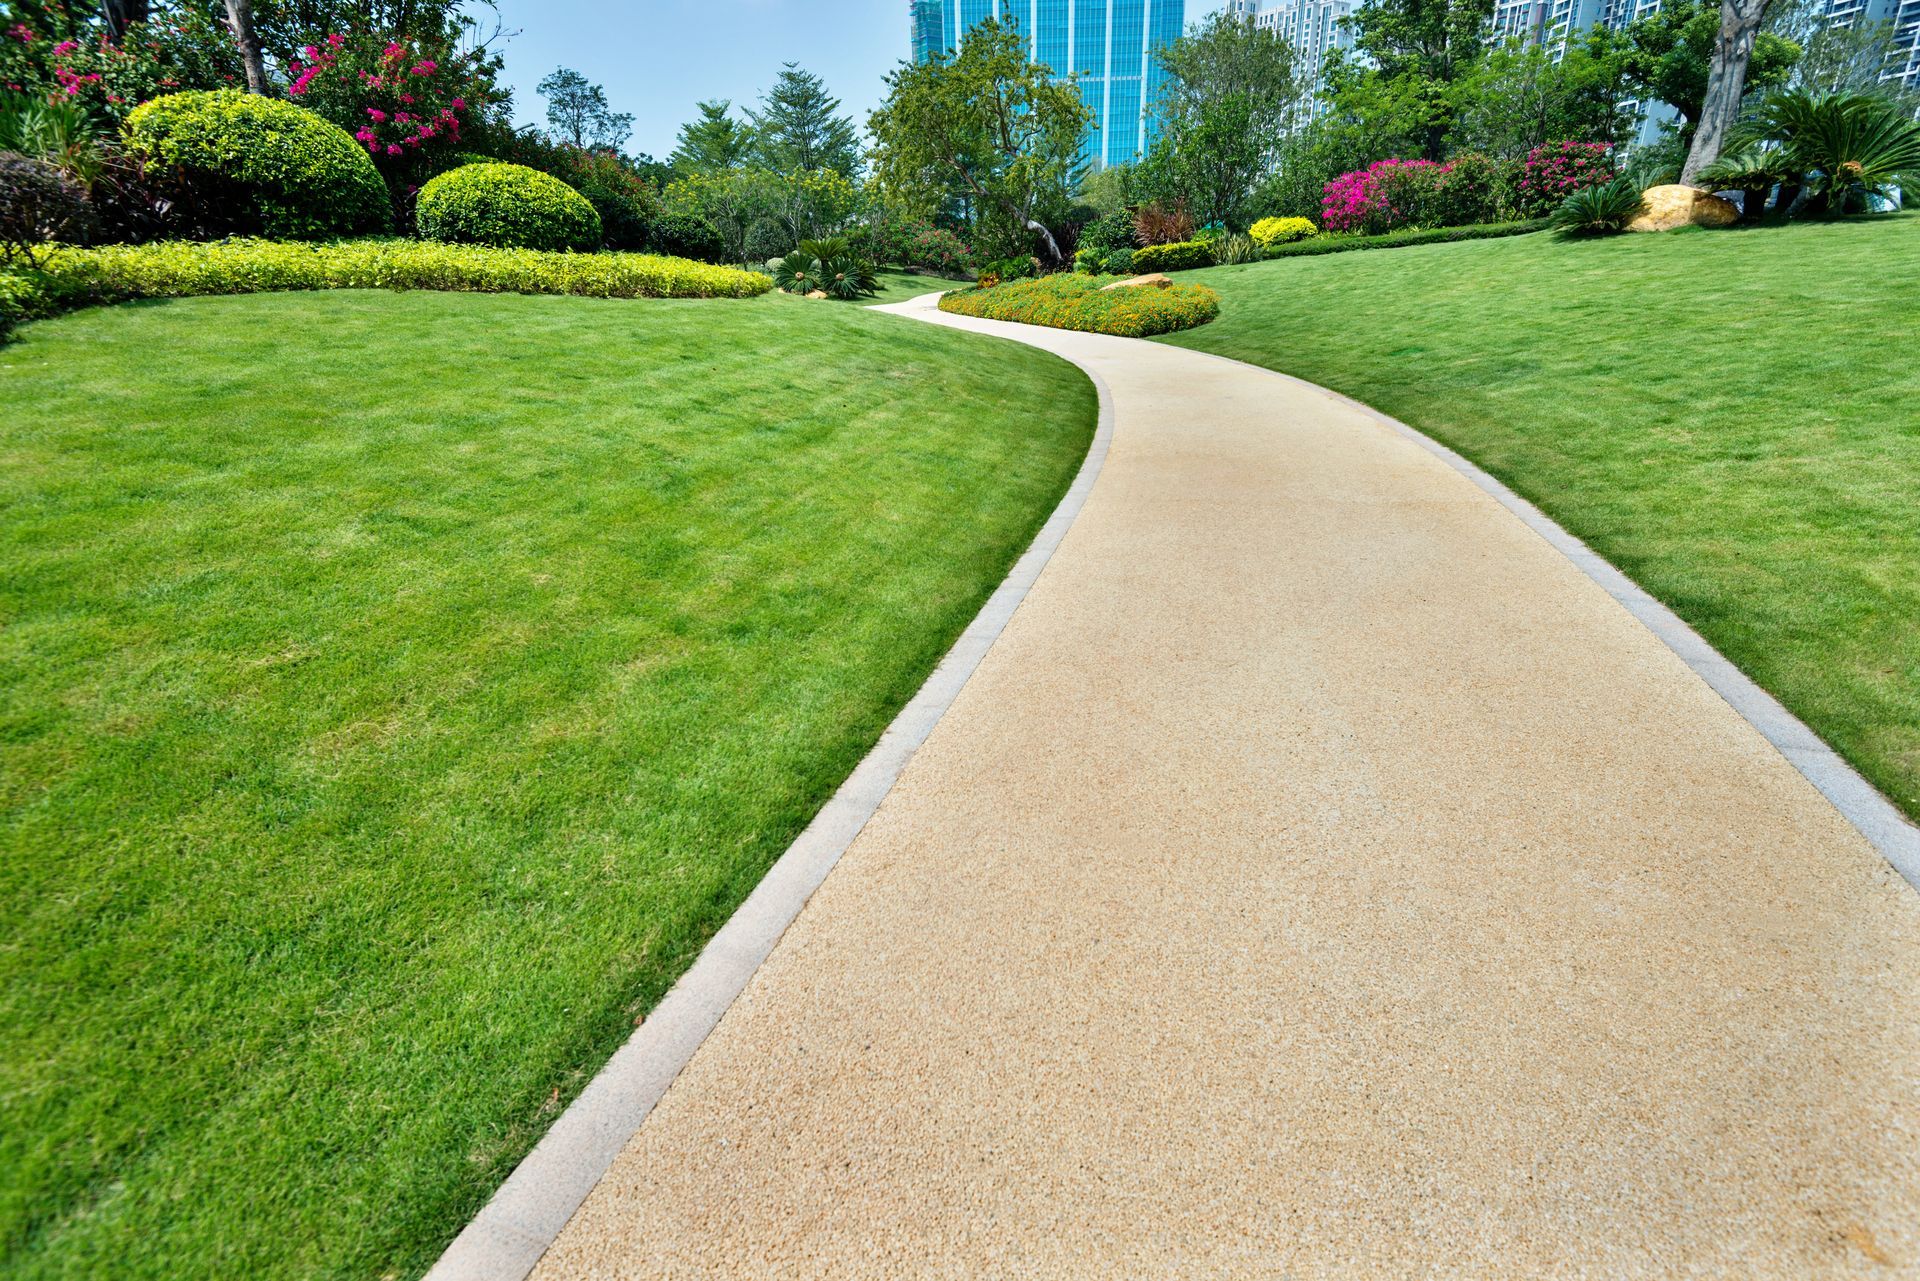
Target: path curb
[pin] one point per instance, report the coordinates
(506, 1239)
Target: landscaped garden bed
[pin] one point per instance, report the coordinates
(1071, 300)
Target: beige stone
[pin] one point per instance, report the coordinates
(818, 293)
(1675, 205)
(1320, 877)
(1155, 280)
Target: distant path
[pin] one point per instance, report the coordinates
(1320, 876)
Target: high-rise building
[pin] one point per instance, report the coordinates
(1312, 27)
(1904, 15)
(1106, 45)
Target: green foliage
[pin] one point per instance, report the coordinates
(1119, 263)
(757, 211)
(1600, 210)
(1069, 300)
(986, 122)
(259, 165)
(1022, 267)
(1520, 96)
(829, 266)
(1107, 233)
(1326, 244)
(578, 112)
(1181, 255)
(1269, 232)
(799, 128)
(1847, 146)
(714, 143)
(1229, 94)
(506, 207)
(38, 204)
(1753, 171)
(1236, 249)
(1669, 53)
(180, 269)
(686, 236)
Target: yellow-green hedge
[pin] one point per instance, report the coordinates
(71, 278)
(1279, 231)
(1072, 300)
(507, 206)
(1181, 255)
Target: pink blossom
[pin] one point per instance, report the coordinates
(336, 40)
(22, 32)
(393, 149)
(65, 47)
(378, 116)
(459, 104)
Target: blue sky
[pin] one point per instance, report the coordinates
(659, 57)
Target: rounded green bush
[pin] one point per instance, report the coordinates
(507, 206)
(261, 165)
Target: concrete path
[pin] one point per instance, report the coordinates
(1319, 877)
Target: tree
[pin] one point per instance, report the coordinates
(1843, 58)
(121, 14)
(1418, 49)
(1001, 128)
(240, 19)
(1674, 54)
(1520, 97)
(1229, 93)
(798, 127)
(577, 112)
(715, 142)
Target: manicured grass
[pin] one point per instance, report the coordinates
(396, 690)
(1733, 418)
(899, 286)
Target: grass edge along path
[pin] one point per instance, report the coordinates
(1727, 417)
(386, 721)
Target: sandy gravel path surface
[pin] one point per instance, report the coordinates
(1320, 877)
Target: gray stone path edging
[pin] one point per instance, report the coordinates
(506, 1239)
(1859, 802)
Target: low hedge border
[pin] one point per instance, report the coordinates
(1072, 300)
(70, 278)
(1335, 244)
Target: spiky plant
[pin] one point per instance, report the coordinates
(1753, 171)
(1600, 210)
(829, 266)
(1850, 146)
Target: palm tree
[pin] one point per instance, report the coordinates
(1753, 171)
(1849, 146)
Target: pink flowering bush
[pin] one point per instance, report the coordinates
(1383, 196)
(404, 104)
(1556, 170)
(914, 242)
(185, 50)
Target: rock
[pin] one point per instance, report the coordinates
(818, 293)
(1156, 280)
(1676, 206)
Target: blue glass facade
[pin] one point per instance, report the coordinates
(1107, 44)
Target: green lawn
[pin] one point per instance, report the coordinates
(396, 690)
(1732, 418)
(899, 286)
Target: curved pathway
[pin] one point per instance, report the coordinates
(1320, 876)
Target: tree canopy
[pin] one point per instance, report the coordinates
(799, 128)
(578, 113)
(714, 142)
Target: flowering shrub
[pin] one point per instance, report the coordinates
(177, 269)
(1279, 231)
(1073, 301)
(260, 165)
(1555, 171)
(186, 49)
(914, 242)
(404, 104)
(506, 206)
(1377, 198)
(1174, 257)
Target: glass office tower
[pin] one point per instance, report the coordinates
(1107, 44)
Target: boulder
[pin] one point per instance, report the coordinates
(1154, 280)
(818, 293)
(1673, 206)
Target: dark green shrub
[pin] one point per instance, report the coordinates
(38, 204)
(1072, 301)
(255, 164)
(1404, 238)
(1178, 256)
(507, 207)
(1118, 263)
(1599, 211)
(1107, 235)
(685, 236)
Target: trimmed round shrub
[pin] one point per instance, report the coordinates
(508, 207)
(1269, 232)
(685, 236)
(256, 164)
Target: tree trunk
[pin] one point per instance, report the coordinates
(121, 14)
(240, 18)
(1726, 79)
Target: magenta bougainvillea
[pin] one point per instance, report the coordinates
(1556, 170)
(404, 105)
(1363, 201)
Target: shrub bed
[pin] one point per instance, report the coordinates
(1401, 239)
(73, 278)
(1269, 232)
(267, 166)
(1181, 255)
(507, 207)
(1074, 301)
